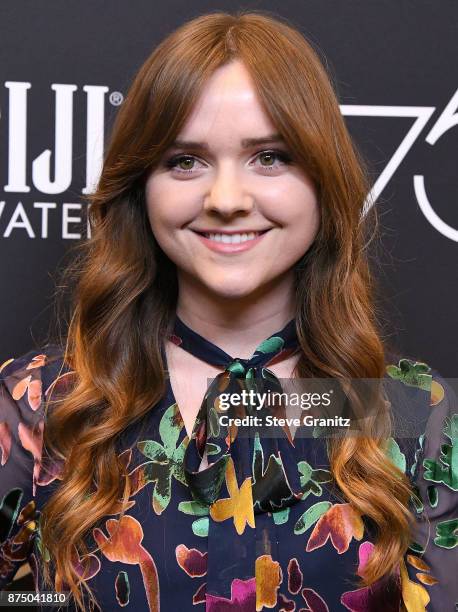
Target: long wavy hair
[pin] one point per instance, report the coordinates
(125, 287)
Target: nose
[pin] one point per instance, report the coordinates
(227, 193)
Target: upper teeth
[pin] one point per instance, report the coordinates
(232, 238)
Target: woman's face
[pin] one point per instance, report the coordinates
(225, 177)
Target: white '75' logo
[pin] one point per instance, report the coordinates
(447, 120)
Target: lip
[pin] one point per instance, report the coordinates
(229, 232)
(221, 247)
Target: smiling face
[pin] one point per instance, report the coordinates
(227, 175)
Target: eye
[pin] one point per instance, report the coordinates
(182, 163)
(268, 158)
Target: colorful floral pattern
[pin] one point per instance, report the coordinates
(263, 528)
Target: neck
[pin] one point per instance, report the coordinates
(236, 324)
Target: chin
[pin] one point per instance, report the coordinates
(232, 290)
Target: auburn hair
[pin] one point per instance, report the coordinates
(125, 287)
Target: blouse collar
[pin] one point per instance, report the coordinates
(283, 341)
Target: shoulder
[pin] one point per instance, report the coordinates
(26, 383)
(420, 380)
(29, 378)
(408, 383)
(424, 413)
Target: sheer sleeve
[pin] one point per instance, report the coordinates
(23, 383)
(429, 574)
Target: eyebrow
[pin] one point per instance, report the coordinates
(246, 142)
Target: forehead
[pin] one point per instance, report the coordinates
(228, 108)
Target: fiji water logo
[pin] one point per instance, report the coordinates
(53, 177)
(51, 172)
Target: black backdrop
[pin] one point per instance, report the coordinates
(394, 64)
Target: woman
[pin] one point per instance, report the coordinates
(228, 243)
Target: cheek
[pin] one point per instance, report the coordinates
(294, 205)
(165, 206)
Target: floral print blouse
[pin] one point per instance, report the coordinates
(262, 527)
